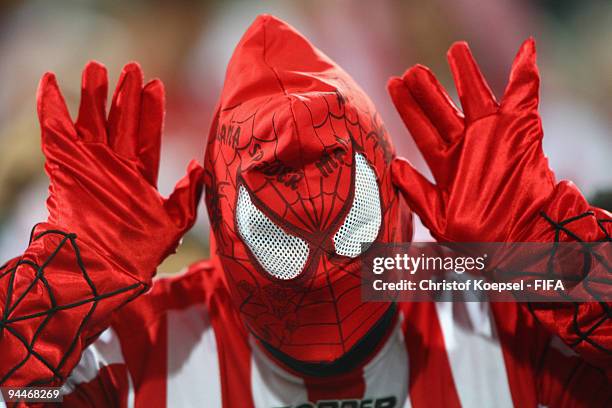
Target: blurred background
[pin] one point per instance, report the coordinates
(188, 44)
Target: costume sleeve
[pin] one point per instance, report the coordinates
(564, 379)
(101, 378)
(586, 327)
(55, 299)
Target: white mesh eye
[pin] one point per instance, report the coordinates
(280, 254)
(363, 220)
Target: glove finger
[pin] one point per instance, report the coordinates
(435, 102)
(476, 97)
(55, 122)
(150, 131)
(523, 87)
(423, 132)
(123, 118)
(422, 196)
(91, 122)
(182, 204)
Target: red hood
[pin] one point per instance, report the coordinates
(291, 135)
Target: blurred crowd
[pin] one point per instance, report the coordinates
(188, 43)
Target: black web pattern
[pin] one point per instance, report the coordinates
(584, 331)
(8, 320)
(363, 131)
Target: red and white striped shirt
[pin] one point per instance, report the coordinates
(183, 345)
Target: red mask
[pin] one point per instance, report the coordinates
(297, 178)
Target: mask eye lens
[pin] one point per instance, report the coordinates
(280, 254)
(364, 218)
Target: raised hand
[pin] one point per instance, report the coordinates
(103, 171)
(491, 175)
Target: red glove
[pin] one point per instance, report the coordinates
(493, 183)
(104, 172)
(108, 226)
(492, 178)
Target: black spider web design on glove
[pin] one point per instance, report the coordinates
(585, 330)
(10, 322)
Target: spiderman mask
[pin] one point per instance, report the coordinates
(297, 184)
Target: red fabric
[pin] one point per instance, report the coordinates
(431, 378)
(586, 327)
(288, 126)
(493, 183)
(514, 328)
(108, 227)
(565, 379)
(40, 344)
(491, 175)
(346, 386)
(536, 371)
(288, 129)
(103, 172)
